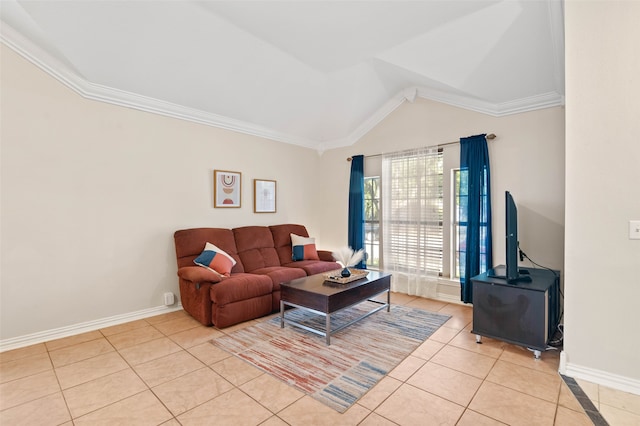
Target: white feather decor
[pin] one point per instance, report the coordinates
(346, 257)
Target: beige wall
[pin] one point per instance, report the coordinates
(602, 264)
(92, 193)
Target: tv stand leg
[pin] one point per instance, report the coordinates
(478, 339)
(536, 354)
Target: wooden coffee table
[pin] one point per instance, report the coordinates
(313, 294)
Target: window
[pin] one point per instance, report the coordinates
(457, 245)
(459, 224)
(372, 220)
(413, 211)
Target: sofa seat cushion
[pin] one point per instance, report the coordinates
(240, 287)
(280, 274)
(198, 274)
(312, 267)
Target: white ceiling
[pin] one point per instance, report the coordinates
(314, 73)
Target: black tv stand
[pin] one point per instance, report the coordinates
(523, 313)
(520, 279)
(501, 273)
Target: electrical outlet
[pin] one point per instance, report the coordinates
(634, 229)
(169, 299)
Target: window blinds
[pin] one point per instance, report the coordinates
(413, 212)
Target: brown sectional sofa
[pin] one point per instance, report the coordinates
(263, 256)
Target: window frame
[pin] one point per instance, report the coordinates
(455, 223)
(455, 267)
(370, 244)
(440, 224)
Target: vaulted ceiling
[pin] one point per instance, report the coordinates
(314, 73)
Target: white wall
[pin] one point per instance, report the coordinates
(602, 265)
(527, 158)
(92, 193)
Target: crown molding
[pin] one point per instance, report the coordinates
(371, 122)
(52, 66)
(531, 103)
(97, 92)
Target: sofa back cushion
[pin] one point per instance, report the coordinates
(191, 242)
(282, 239)
(255, 247)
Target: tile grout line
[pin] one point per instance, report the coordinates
(150, 389)
(485, 379)
(143, 381)
(130, 367)
(55, 373)
(585, 402)
(583, 399)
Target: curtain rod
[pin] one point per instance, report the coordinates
(490, 136)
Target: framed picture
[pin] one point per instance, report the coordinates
(264, 196)
(227, 189)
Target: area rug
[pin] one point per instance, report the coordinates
(358, 357)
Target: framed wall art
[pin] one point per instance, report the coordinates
(264, 196)
(227, 189)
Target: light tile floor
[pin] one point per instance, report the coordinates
(161, 370)
(617, 407)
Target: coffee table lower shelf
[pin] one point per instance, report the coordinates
(315, 295)
(328, 330)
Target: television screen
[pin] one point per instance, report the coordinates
(511, 228)
(511, 243)
(511, 272)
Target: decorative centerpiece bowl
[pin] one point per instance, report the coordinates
(346, 257)
(337, 278)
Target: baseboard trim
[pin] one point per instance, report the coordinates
(449, 291)
(71, 330)
(604, 378)
(443, 293)
(448, 298)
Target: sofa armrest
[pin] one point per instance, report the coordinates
(198, 274)
(326, 255)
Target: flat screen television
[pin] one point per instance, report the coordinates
(511, 272)
(511, 243)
